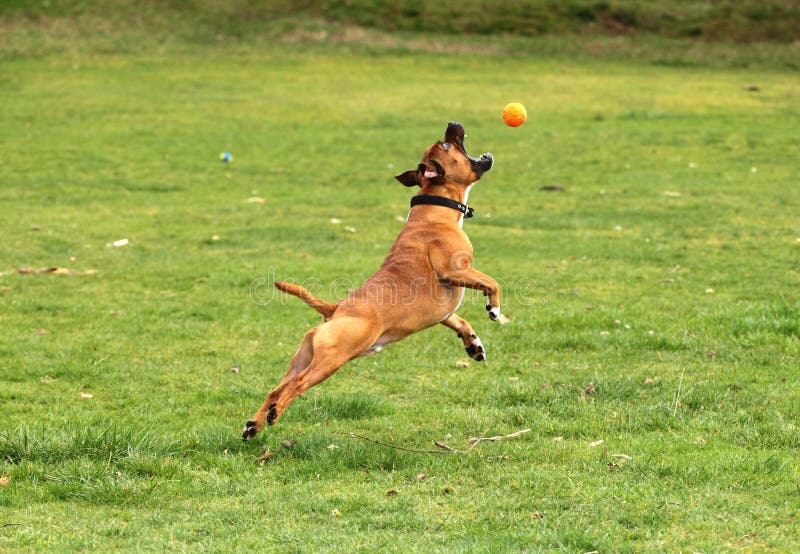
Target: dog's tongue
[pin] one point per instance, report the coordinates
(430, 173)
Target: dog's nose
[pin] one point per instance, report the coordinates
(483, 164)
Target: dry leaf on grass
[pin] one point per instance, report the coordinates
(4, 481)
(55, 270)
(266, 455)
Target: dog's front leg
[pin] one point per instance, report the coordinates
(471, 278)
(472, 343)
(456, 270)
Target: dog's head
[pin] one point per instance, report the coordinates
(447, 162)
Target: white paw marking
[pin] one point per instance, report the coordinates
(481, 353)
(494, 313)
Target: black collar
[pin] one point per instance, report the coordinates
(442, 201)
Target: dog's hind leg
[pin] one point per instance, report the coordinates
(472, 344)
(300, 361)
(334, 344)
(323, 350)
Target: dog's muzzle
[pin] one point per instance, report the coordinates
(483, 164)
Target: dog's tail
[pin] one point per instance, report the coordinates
(325, 308)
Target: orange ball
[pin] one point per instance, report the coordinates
(514, 114)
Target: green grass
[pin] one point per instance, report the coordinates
(665, 274)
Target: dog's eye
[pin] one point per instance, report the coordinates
(446, 146)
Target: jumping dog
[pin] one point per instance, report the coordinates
(421, 282)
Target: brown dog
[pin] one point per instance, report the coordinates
(420, 283)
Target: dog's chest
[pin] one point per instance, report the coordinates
(466, 200)
(460, 299)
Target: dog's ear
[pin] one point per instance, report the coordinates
(410, 178)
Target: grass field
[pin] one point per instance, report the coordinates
(653, 301)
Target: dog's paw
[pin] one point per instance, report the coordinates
(250, 430)
(272, 414)
(475, 348)
(494, 312)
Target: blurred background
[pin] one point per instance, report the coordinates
(37, 26)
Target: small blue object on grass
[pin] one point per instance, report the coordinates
(226, 157)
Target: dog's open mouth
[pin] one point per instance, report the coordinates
(431, 170)
(455, 135)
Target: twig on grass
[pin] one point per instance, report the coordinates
(443, 446)
(474, 441)
(379, 443)
(10, 525)
(623, 456)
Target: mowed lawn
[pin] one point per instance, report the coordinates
(654, 302)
